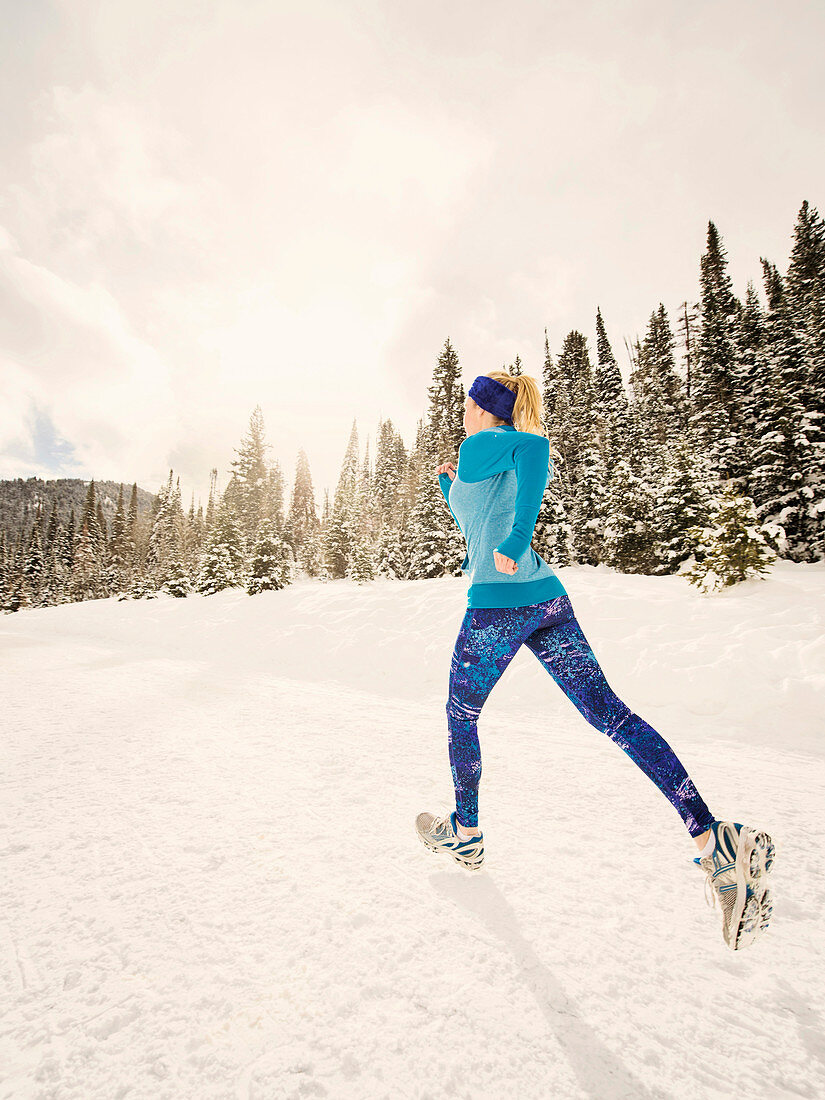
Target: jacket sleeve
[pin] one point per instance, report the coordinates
(445, 481)
(531, 457)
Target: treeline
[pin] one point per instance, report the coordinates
(711, 465)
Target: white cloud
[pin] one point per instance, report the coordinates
(407, 162)
(295, 204)
(105, 390)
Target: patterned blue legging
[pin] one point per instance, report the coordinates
(489, 639)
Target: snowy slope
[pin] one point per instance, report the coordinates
(212, 888)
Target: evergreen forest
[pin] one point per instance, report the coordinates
(710, 463)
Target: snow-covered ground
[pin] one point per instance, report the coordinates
(211, 885)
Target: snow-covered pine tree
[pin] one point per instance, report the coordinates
(287, 567)
(194, 533)
(642, 386)
(390, 462)
(302, 518)
(250, 477)
(64, 559)
(554, 532)
(131, 517)
(178, 525)
(786, 464)
(431, 547)
(657, 413)
(103, 528)
(341, 528)
(751, 337)
(233, 496)
(51, 530)
(805, 291)
(611, 405)
(34, 565)
(555, 399)
(216, 571)
(7, 592)
(166, 537)
(682, 503)
(71, 534)
(664, 401)
(389, 560)
(86, 582)
(688, 331)
(309, 558)
(51, 581)
(5, 567)
(733, 545)
(177, 582)
(8, 572)
(274, 501)
(553, 537)
(442, 436)
(337, 541)
(630, 534)
(159, 548)
(445, 414)
(579, 434)
(408, 496)
(600, 420)
(326, 515)
(130, 536)
(266, 567)
(366, 514)
(88, 517)
(139, 585)
(118, 568)
(716, 385)
(361, 566)
(572, 422)
(591, 506)
(223, 563)
(212, 503)
(21, 596)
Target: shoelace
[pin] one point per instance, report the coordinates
(441, 825)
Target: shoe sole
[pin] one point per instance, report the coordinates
(475, 865)
(753, 907)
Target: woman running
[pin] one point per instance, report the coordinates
(516, 599)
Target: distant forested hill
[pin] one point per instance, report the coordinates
(20, 499)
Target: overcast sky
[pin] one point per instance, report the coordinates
(207, 205)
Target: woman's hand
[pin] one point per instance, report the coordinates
(504, 565)
(447, 468)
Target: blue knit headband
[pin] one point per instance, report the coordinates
(494, 397)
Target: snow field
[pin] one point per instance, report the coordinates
(212, 886)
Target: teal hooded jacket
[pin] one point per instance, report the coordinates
(495, 499)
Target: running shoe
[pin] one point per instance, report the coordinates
(738, 870)
(439, 834)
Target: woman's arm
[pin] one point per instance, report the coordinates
(531, 456)
(446, 473)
